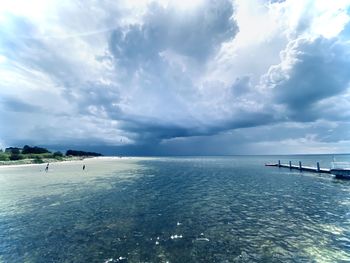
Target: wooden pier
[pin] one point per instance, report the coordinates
(300, 167)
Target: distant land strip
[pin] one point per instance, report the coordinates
(37, 155)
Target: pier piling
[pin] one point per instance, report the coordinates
(300, 167)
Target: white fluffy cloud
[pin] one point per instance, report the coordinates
(310, 70)
(173, 73)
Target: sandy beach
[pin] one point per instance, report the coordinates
(30, 162)
(72, 160)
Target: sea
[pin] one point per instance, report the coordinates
(174, 209)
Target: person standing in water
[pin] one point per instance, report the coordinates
(47, 167)
(83, 167)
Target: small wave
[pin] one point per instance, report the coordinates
(202, 239)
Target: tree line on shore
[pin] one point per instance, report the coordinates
(39, 153)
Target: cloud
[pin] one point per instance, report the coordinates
(195, 34)
(282, 138)
(154, 76)
(15, 105)
(64, 72)
(336, 108)
(241, 86)
(160, 62)
(310, 70)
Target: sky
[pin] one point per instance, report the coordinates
(171, 77)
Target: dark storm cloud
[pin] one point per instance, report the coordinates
(147, 131)
(195, 34)
(142, 50)
(95, 98)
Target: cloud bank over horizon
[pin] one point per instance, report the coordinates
(176, 77)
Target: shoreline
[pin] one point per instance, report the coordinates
(30, 162)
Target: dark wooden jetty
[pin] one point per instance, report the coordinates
(300, 167)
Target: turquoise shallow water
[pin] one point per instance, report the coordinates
(193, 209)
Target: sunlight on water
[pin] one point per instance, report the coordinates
(327, 255)
(227, 209)
(22, 183)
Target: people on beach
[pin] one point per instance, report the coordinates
(47, 167)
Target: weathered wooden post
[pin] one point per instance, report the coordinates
(290, 165)
(279, 163)
(318, 166)
(300, 165)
